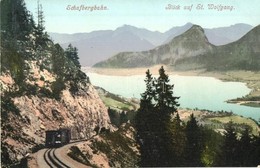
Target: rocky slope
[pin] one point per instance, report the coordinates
(109, 149)
(42, 87)
(27, 117)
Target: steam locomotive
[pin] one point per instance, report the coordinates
(57, 138)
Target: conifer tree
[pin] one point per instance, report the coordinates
(16, 25)
(39, 31)
(194, 144)
(165, 106)
(153, 121)
(145, 124)
(40, 18)
(58, 60)
(256, 151)
(228, 154)
(245, 149)
(73, 72)
(16, 21)
(177, 119)
(178, 139)
(147, 96)
(166, 102)
(72, 54)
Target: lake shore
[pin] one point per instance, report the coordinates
(212, 119)
(217, 120)
(139, 71)
(252, 79)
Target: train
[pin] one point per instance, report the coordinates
(57, 138)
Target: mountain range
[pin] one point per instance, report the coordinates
(192, 50)
(97, 46)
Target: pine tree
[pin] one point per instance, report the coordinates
(165, 106)
(73, 72)
(15, 19)
(228, 154)
(178, 139)
(145, 123)
(58, 60)
(72, 54)
(153, 121)
(212, 141)
(166, 102)
(147, 96)
(177, 119)
(194, 144)
(41, 36)
(245, 149)
(16, 26)
(40, 18)
(255, 159)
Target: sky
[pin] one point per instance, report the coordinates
(68, 16)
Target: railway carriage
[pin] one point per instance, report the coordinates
(57, 138)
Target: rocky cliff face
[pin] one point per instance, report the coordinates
(21, 132)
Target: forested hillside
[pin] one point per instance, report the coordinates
(167, 141)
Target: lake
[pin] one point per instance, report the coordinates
(194, 91)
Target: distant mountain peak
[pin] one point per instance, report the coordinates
(99, 45)
(197, 27)
(195, 33)
(241, 24)
(126, 27)
(191, 43)
(189, 24)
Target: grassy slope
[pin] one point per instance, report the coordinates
(117, 102)
(238, 120)
(218, 120)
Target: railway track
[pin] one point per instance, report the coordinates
(52, 160)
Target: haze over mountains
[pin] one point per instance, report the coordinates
(97, 46)
(192, 50)
(191, 43)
